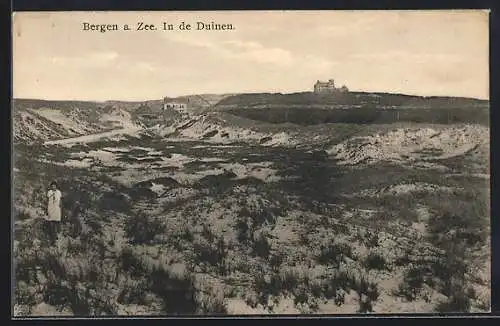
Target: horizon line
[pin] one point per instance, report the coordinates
(242, 93)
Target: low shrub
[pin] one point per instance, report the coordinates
(261, 246)
(211, 253)
(413, 281)
(376, 261)
(142, 229)
(334, 254)
(368, 293)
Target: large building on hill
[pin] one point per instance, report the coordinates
(328, 87)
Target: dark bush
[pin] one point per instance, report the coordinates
(141, 192)
(114, 201)
(217, 184)
(301, 296)
(319, 155)
(334, 254)
(76, 196)
(177, 294)
(342, 280)
(376, 261)
(276, 260)
(213, 253)
(243, 231)
(457, 302)
(141, 229)
(57, 295)
(210, 134)
(289, 282)
(265, 288)
(261, 246)
(368, 293)
(128, 262)
(456, 229)
(412, 284)
(264, 140)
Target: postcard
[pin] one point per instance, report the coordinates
(250, 163)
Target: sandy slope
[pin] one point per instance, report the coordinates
(93, 137)
(48, 124)
(412, 144)
(28, 126)
(216, 127)
(71, 121)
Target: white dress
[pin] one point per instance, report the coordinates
(54, 208)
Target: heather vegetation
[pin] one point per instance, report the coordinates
(328, 223)
(305, 115)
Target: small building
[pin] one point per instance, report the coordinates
(174, 105)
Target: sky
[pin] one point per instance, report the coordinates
(413, 52)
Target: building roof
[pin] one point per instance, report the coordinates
(331, 81)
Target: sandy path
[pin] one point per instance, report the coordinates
(94, 137)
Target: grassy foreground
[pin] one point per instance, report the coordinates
(311, 240)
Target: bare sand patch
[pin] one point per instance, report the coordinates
(70, 123)
(116, 149)
(68, 142)
(404, 189)
(411, 144)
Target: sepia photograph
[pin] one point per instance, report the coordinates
(183, 163)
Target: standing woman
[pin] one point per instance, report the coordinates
(54, 210)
